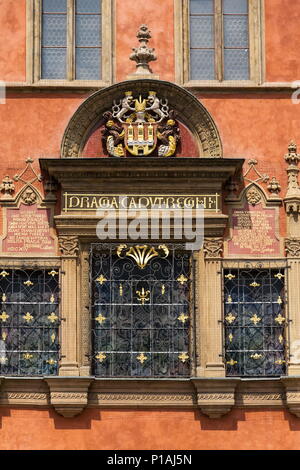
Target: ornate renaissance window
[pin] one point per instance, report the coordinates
(69, 40)
(141, 311)
(29, 322)
(255, 322)
(221, 40)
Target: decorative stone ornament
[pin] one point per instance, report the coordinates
(68, 245)
(28, 196)
(292, 198)
(274, 186)
(292, 247)
(215, 398)
(69, 397)
(142, 54)
(213, 247)
(7, 187)
(253, 196)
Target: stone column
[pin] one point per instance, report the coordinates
(292, 247)
(69, 251)
(212, 331)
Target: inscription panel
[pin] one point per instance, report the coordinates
(28, 231)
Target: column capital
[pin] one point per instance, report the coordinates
(68, 245)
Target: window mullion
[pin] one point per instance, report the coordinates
(218, 40)
(71, 40)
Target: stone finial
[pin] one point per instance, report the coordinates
(274, 186)
(142, 54)
(292, 199)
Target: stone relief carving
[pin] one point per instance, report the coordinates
(292, 247)
(213, 247)
(68, 245)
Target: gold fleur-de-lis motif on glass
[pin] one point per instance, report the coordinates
(163, 289)
(230, 318)
(4, 274)
(4, 317)
(121, 290)
(51, 362)
(53, 337)
(53, 273)
(229, 299)
(52, 299)
(280, 319)
(4, 298)
(279, 300)
(183, 357)
(279, 275)
(27, 356)
(255, 319)
(230, 276)
(4, 336)
(230, 337)
(143, 295)
(101, 279)
(256, 356)
(231, 362)
(280, 362)
(183, 318)
(142, 358)
(254, 284)
(53, 317)
(28, 283)
(28, 317)
(3, 360)
(100, 319)
(101, 357)
(182, 279)
(280, 339)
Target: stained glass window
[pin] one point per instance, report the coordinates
(57, 29)
(219, 40)
(29, 322)
(255, 322)
(141, 311)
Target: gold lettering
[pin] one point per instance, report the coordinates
(94, 203)
(74, 202)
(85, 202)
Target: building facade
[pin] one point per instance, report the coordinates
(112, 111)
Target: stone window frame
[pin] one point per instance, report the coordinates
(256, 47)
(33, 47)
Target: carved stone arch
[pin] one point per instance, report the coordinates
(251, 190)
(190, 112)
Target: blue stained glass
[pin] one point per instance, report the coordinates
(88, 6)
(88, 30)
(88, 64)
(55, 6)
(235, 6)
(202, 31)
(54, 30)
(202, 64)
(198, 7)
(54, 63)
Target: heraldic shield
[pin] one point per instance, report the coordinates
(137, 124)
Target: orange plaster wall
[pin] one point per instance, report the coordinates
(13, 40)
(158, 15)
(282, 38)
(22, 429)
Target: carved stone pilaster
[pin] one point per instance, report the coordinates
(68, 245)
(213, 247)
(292, 198)
(216, 397)
(69, 397)
(292, 247)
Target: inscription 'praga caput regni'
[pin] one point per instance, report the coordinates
(139, 125)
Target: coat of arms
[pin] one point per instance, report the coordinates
(139, 125)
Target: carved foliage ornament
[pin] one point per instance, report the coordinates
(213, 247)
(138, 125)
(253, 196)
(68, 245)
(292, 247)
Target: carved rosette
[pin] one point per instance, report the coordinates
(68, 245)
(253, 196)
(215, 398)
(69, 397)
(213, 247)
(292, 247)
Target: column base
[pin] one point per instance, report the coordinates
(214, 370)
(69, 370)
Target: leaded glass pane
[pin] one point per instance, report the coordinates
(29, 322)
(54, 63)
(201, 7)
(88, 6)
(236, 31)
(255, 322)
(88, 30)
(88, 64)
(236, 64)
(202, 31)
(55, 6)
(140, 325)
(235, 6)
(202, 64)
(54, 30)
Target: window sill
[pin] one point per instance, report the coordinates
(238, 85)
(214, 397)
(58, 84)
